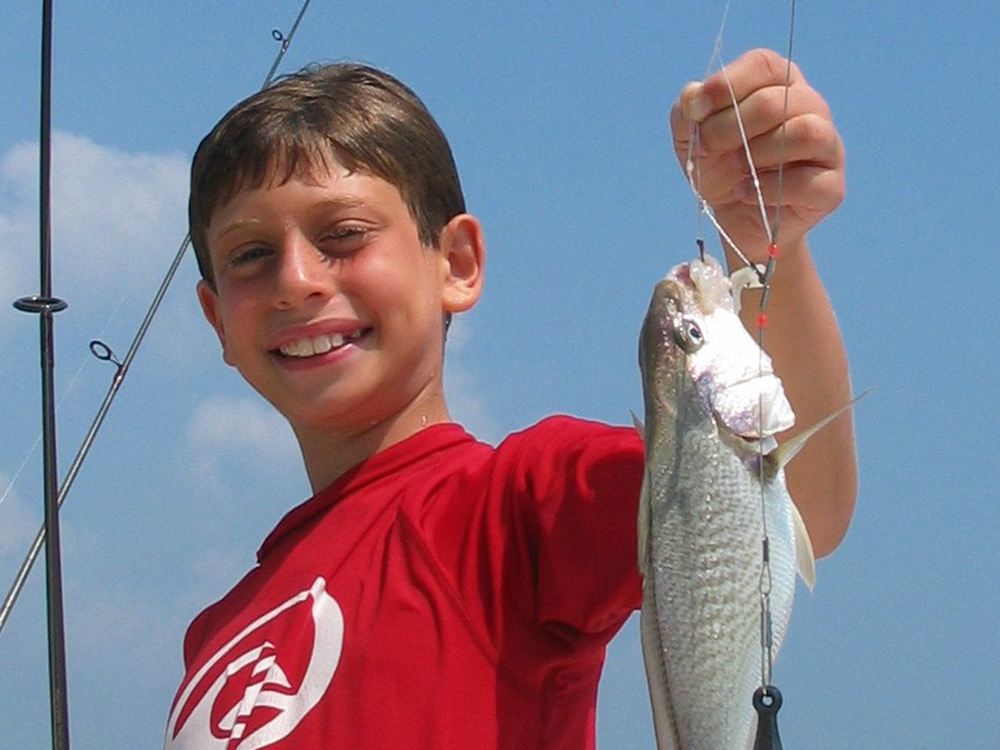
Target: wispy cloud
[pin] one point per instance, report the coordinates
(223, 423)
(243, 431)
(466, 402)
(17, 524)
(117, 218)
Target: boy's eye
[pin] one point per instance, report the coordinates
(247, 255)
(344, 240)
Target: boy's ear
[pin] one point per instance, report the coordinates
(463, 254)
(209, 300)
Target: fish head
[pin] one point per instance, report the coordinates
(669, 332)
(692, 339)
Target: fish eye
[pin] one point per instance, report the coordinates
(688, 336)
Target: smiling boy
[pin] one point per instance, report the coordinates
(330, 305)
(435, 592)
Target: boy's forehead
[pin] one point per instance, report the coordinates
(332, 177)
(309, 172)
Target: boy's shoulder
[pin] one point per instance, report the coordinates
(566, 440)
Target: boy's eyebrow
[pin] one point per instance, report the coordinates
(237, 225)
(345, 201)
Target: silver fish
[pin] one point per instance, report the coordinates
(713, 405)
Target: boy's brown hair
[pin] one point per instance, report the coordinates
(361, 117)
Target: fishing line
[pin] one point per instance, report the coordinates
(67, 392)
(746, 150)
(70, 387)
(104, 352)
(764, 274)
(692, 164)
(693, 169)
(716, 56)
(767, 698)
(772, 234)
(784, 121)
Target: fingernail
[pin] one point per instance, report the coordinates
(701, 106)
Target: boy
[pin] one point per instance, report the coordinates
(437, 592)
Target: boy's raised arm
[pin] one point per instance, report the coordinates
(802, 335)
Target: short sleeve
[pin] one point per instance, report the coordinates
(574, 489)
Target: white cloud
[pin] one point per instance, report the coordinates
(117, 220)
(243, 430)
(469, 407)
(240, 425)
(10, 275)
(18, 525)
(466, 402)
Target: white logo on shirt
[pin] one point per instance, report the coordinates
(206, 716)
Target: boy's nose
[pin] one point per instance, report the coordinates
(303, 273)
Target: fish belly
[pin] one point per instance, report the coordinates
(701, 600)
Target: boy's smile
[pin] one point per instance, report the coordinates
(310, 346)
(330, 306)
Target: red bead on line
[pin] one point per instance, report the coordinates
(761, 320)
(772, 250)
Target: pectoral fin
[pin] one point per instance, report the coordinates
(638, 425)
(784, 453)
(805, 559)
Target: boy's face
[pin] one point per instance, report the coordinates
(327, 302)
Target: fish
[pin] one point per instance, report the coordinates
(713, 406)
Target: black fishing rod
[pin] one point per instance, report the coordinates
(45, 305)
(104, 352)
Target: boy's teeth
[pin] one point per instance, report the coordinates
(314, 345)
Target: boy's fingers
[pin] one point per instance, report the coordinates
(810, 192)
(807, 138)
(692, 105)
(761, 112)
(759, 68)
(680, 119)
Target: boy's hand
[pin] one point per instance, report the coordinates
(813, 175)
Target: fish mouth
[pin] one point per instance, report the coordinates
(753, 408)
(324, 343)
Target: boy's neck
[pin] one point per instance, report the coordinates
(328, 454)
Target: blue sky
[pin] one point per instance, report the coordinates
(557, 115)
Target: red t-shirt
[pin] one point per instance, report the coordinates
(442, 594)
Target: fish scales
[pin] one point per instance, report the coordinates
(700, 527)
